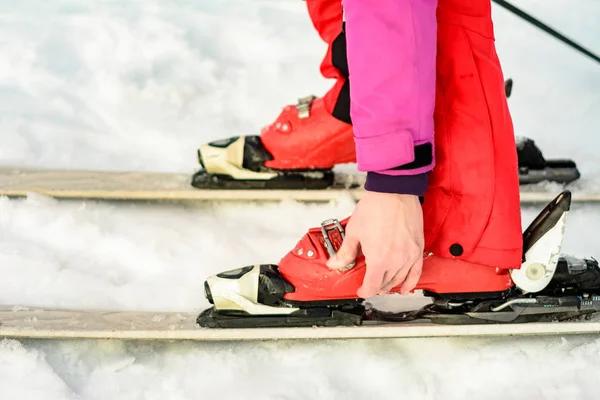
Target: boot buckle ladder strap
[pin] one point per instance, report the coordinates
(303, 106)
(329, 225)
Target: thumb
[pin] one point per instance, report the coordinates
(346, 254)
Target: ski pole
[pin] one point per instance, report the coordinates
(545, 28)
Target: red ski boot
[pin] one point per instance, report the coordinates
(297, 151)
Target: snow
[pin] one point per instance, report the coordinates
(555, 368)
(139, 85)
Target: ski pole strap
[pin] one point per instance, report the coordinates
(545, 28)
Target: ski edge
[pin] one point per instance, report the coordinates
(324, 195)
(396, 331)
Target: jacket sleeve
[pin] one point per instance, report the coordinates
(391, 50)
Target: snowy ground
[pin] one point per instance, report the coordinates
(138, 85)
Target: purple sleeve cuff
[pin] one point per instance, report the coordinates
(400, 184)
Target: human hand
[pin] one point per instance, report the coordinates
(389, 229)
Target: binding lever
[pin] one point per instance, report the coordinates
(542, 242)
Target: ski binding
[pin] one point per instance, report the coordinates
(547, 287)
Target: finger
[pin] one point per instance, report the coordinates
(372, 281)
(396, 275)
(397, 279)
(346, 254)
(387, 277)
(412, 279)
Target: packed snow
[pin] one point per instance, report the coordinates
(139, 85)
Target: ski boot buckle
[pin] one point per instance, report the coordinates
(329, 225)
(303, 106)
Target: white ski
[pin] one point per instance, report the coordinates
(157, 186)
(20, 322)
